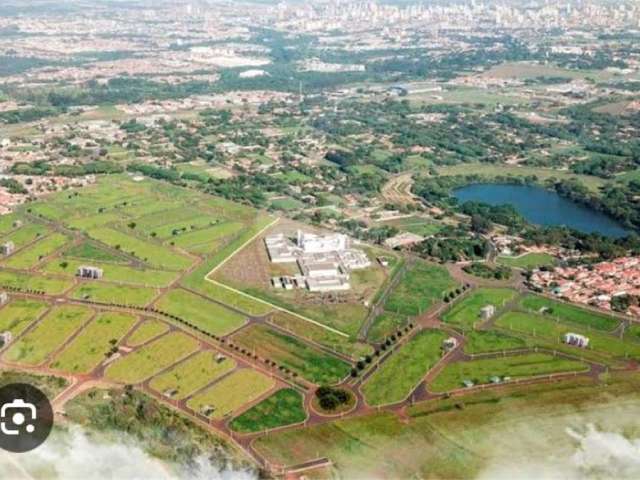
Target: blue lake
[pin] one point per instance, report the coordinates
(543, 207)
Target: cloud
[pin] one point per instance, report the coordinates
(77, 455)
(597, 454)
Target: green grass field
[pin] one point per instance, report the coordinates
(50, 334)
(19, 313)
(200, 312)
(466, 312)
(192, 374)
(156, 256)
(528, 261)
(519, 366)
(384, 325)
(311, 363)
(397, 377)
(569, 313)
(114, 272)
(549, 331)
(315, 333)
(146, 331)
(237, 301)
(32, 255)
(491, 341)
(94, 252)
(25, 281)
(90, 347)
(112, 293)
(285, 407)
(28, 233)
(232, 392)
(152, 358)
(422, 286)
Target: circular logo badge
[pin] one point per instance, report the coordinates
(26, 417)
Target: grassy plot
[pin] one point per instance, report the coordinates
(285, 407)
(32, 255)
(6, 223)
(115, 272)
(24, 281)
(529, 260)
(232, 392)
(200, 312)
(371, 446)
(237, 301)
(384, 325)
(569, 313)
(152, 358)
(112, 293)
(519, 366)
(91, 346)
(547, 330)
(147, 330)
(25, 235)
(93, 252)
(192, 374)
(478, 341)
(466, 312)
(156, 255)
(19, 314)
(311, 363)
(395, 379)
(421, 287)
(315, 333)
(48, 335)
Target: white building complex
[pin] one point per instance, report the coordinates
(576, 340)
(325, 261)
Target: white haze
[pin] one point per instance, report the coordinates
(598, 454)
(78, 455)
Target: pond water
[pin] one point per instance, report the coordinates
(543, 207)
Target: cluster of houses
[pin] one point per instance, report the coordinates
(325, 261)
(595, 285)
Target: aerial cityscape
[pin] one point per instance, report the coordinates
(385, 239)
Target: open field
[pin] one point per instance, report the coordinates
(481, 341)
(16, 316)
(466, 312)
(200, 312)
(491, 170)
(146, 331)
(315, 333)
(91, 346)
(311, 363)
(395, 379)
(152, 358)
(229, 394)
(193, 374)
(32, 255)
(50, 334)
(25, 235)
(112, 293)
(569, 313)
(285, 407)
(518, 366)
(422, 286)
(529, 260)
(384, 325)
(114, 272)
(156, 255)
(24, 281)
(549, 330)
(238, 301)
(522, 426)
(94, 252)
(418, 225)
